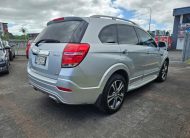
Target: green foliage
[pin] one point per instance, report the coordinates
(8, 36)
(21, 37)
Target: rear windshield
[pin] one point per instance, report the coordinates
(62, 31)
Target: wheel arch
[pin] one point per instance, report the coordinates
(123, 73)
(165, 59)
(119, 68)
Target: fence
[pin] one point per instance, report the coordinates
(186, 47)
(20, 46)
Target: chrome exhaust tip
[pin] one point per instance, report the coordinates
(34, 87)
(54, 98)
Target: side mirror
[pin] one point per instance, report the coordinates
(161, 44)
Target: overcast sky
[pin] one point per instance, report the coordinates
(34, 14)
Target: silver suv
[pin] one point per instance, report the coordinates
(94, 60)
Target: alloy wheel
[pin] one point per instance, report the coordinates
(115, 94)
(164, 71)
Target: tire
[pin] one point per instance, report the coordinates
(163, 72)
(113, 94)
(14, 55)
(11, 56)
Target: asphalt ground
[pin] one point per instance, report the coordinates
(157, 110)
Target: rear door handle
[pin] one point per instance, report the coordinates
(125, 51)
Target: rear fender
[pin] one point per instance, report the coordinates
(110, 72)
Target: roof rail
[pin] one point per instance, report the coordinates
(113, 18)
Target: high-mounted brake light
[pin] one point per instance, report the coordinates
(58, 19)
(73, 54)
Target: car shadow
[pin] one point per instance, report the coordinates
(60, 111)
(2, 74)
(73, 111)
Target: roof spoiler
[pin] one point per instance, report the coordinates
(62, 19)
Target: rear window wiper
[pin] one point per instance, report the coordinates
(47, 41)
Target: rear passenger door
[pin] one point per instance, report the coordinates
(106, 53)
(153, 57)
(132, 54)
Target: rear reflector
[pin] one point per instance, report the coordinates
(73, 54)
(58, 19)
(64, 89)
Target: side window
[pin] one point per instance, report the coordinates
(127, 35)
(145, 39)
(108, 34)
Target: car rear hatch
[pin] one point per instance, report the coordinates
(47, 49)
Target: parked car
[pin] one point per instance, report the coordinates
(4, 59)
(94, 60)
(28, 47)
(10, 49)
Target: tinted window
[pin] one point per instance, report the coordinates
(145, 38)
(62, 31)
(108, 34)
(127, 35)
(186, 18)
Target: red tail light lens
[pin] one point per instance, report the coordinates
(73, 54)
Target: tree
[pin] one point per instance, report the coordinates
(24, 30)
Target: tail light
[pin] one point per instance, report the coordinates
(73, 54)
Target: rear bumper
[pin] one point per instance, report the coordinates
(79, 95)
